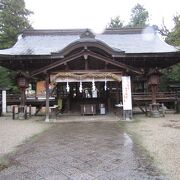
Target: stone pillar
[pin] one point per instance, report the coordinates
(47, 98)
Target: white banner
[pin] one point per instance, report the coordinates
(4, 104)
(126, 92)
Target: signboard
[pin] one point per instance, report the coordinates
(4, 101)
(0, 102)
(126, 92)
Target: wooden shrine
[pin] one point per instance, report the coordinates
(85, 69)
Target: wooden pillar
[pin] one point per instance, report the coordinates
(117, 93)
(178, 103)
(153, 82)
(109, 104)
(23, 83)
(108, 95)
(23, 97)
(47, 98)
(154, 92)
(68, 104)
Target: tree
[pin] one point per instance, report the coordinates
(139, 17)
(172, 74)
(173, 37)
(13, 20)
(115, 23)
(7, 79)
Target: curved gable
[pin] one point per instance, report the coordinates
(87, 40)
(89, 43)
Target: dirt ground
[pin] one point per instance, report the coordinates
(161, 138)
(15, 132)
(81, 151)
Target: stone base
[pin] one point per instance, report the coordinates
(155, 114)
(127, 115)
(21, 116)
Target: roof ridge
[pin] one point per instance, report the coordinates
(123, 30)
(63, 32)
(36, 32)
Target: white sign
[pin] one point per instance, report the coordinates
(126, 92)
(4, 105)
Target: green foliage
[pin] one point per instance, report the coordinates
(115, 23)
(13, 20)
(139, 17)
(7, 79)
(172, 74)
(173, 37)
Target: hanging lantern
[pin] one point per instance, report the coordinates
(80, 87)
(105, 84)
(22, 82)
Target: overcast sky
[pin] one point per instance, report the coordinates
(96, 14)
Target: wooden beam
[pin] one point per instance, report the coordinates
(58, 63)
(87, 53)
(90, 71)
(116, 63)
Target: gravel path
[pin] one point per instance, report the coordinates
(161, 138)
(15, 132)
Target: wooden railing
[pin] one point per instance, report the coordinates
(166, 96)
(140, 96)
(13, 99)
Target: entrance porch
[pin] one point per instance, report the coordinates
(89, 94)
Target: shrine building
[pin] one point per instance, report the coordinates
(85, 69)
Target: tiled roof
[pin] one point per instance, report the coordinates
(45, 42)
